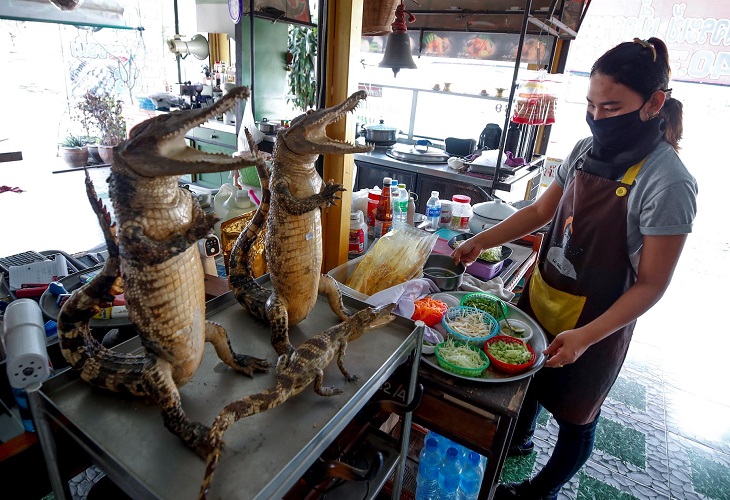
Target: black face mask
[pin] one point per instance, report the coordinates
(617, 133)
(621, 141)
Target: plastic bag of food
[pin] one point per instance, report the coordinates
(536, 101)
(394, 259)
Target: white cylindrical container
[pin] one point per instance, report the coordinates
(25, 344)
(446, 206)
(358, 241)
(461, 212)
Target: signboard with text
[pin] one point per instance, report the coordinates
(697, 34)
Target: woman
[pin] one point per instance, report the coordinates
(621, 207)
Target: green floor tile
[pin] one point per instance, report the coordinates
(624, 443)
(708, 477)
(630, 393)
(517, 469)
(593, 489)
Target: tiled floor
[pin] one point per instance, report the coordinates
(657, 437)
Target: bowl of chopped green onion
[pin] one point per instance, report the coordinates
(486, 302)
(509, 354)
(469, 324)
(461, 358)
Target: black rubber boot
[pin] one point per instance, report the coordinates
(523, 490)
(522, 449)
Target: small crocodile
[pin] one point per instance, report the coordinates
(294, 373)
(154, 259)
(291, 209)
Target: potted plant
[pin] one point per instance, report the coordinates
(105, 112)
(74, 151)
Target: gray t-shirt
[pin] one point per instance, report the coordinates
(663, 200)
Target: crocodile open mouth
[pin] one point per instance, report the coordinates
(308, 133)
(157, 147)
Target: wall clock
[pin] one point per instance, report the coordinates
(235, 8)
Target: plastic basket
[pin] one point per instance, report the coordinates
(249, 176)
(498, 309)
(459, 370)
(508, 367)
(491, 324)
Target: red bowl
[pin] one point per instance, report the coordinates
(508, 367)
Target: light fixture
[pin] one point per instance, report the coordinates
(398, 45)
(197, 46)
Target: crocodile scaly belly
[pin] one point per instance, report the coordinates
(294, 259)
(166, 303)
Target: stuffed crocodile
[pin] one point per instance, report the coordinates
(154, 259)
(291, 209)
(295, 373)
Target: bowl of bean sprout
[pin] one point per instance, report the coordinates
(469, 324)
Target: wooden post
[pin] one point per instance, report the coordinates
(344, 20)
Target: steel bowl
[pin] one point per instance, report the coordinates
(441, 270)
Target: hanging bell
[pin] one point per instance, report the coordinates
(398, 46)
(398, 53)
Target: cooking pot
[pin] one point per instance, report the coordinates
(489, 213)
(267, 127)
(380, 134)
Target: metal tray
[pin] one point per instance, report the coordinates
(490, 375)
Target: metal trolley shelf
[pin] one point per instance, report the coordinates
(265, 454)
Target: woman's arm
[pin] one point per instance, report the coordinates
(659, 258)
(515, 226)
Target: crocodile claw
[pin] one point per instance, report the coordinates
(248, 365)
(329, 192)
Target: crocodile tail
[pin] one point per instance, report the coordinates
(247, 291)
(232, 413)
(77, 344)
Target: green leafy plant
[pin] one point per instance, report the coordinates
(105, 113)
(74, 141)
(302, 81)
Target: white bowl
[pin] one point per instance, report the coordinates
(516, 323)
(430, 349)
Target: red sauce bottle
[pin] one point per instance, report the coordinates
(384, 212)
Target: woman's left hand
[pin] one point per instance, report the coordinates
(567, 347)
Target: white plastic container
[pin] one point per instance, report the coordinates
(231, 202)
(461, 212)
(358, 241)
(445, 213)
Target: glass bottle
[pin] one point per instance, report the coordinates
(384, 211)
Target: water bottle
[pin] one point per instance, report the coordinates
(449, 475)
(433, 210)
(428, 472)
(471, 478)
(400, 205)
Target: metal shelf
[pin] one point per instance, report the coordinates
(265, 454)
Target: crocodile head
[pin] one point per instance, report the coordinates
(157, 148)
(369, 319)
(307, 134)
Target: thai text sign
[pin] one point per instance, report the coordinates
(697, 34)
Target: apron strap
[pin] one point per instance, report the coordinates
(630, 175)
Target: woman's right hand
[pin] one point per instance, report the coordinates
(467, 252)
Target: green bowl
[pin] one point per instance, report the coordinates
(459, 370)
(495, 306)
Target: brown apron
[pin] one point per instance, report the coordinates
(583, 268)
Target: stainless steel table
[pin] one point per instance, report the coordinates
(265, 454)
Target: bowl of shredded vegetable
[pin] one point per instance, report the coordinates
(469, 324)
(492, 255)
(461, 358)
(508, 354)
